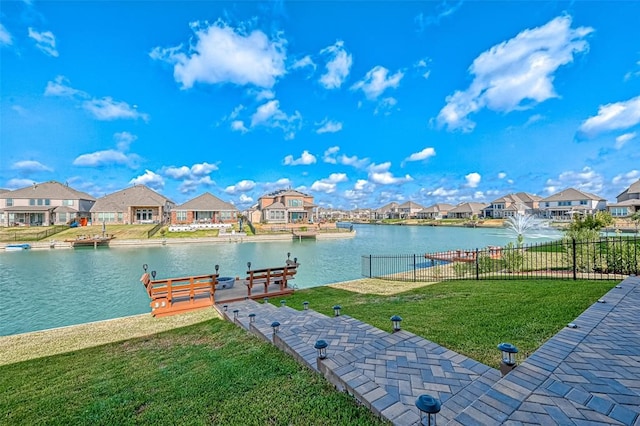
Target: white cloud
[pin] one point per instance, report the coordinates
(533, 119)
(329, 126)
(338, 66)
(422, 67)
(245, 199)
(102, 158)
(124, 140)
(614, 116)
(222, 54)
(422, 155)
(516, 74)
(106, 109)
(626, 179)
(632, 74)
(623, 139)
(328, 185)
(5, 36)
(303, 63)
(30, 166)
(17, 183)
(264, 94)
(45, 41)
(279, 184)
(585, 180)
(442, 192)
(242, 186)
(473, 179)
(443, 10)
(305, 159)
(270, 115)
(385, 106)
(502, 175)
(150, 179)
(329, 155)
(376, 81)
(202, 169)
(238, 126)
(194, 173)
(60, 87)
(379, 174)
(353, 161)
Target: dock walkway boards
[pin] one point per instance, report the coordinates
(582, 376)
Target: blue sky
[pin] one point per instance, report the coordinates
(358, 103)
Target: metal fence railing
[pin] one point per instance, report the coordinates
(606, 258)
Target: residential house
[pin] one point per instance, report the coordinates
(136, 204)
(520, 203)
(570, 201)
(284, 206)
(628, 202)
(409, 210)
(388, 211)
(436, 211)
(205, 208)
(467, 211)
(43, 204)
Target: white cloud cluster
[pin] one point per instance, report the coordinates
(624, 138)
(328, 185)
(105, 109)
(473, 180)
(337, 67)
(626, 179)
(191, 177)
(611, 117)
(516, 74)
(270, 115)
(380, 175)
(328, 126)
(111, 157)
(150, 179)
(376, 81)
(422, 155)
(443, 10)
(305, 159)
(17, 183)
(45, 41)
(30, 166)
(423, 67)
(242, 186)
(331, 156)
(304, 63)
(5, 36)
(222, 54)
(585, 180)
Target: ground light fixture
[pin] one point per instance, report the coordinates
(321, 347)
(429, 407)
(336, 310)
(305, 306)
(266, 300)
(275, 326)
(252, 318)
(225, 307)
(145, 267)
(283, 302)
(395, 322)
(508, 361)
(235, 314)
(153, 274)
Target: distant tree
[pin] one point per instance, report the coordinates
(636, 218)
(588, 227)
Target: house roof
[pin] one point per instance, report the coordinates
(468, 208)
(410, 205)
(275, 206)
(28, 208)
(137, 195)
(207, 202)
(518, 197)
(52, 190)
(631, 202)
(572, 194)
(387, 207)
(282, 192)
(634, 188)
(439, 207)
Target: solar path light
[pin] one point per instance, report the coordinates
(321, 347)
(395, 322)
(508, 361)
(429, 407)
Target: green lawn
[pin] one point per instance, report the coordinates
(216, 373)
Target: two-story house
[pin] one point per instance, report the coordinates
(205, 208)
(409, 210)
(136, 204)
(520, 203)
(436, 211)
(628, 202)
(284, 206)
(467, 211)
(388, 211)
(570, 201)
(43, 204)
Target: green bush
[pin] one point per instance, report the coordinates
(513, 258)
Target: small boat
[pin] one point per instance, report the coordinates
(17, 247)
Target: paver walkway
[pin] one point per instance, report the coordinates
(584, 375)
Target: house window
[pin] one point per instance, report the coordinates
(144, 214)
(564, 203)
(547, 204)
(225, 216)
(40, 201)
(32, 202)
(181, 215)
(619, 211)
(294, 203)
(62, 217)
(119, 216)
(583, 202)
(67, 202)
(9, 202)
(276, 215)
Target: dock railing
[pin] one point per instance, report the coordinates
(606, 258)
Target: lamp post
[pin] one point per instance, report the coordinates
(321, 347)
(283, 302)
(145, 267)
(153, 274)
(429, 407)
(336, 310)
(224, 308)
(217, 267)
(252, 318)
(266, 300)
(508, 361)
(275, 326)
(395, 322)
(235, 314)
(305, 306)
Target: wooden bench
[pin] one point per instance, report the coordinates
(279, 275)
(173, 295)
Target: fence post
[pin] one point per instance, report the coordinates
(477, 266)
(414, 267)
(574, 259)
(370, 270)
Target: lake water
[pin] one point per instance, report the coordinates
(44, 289)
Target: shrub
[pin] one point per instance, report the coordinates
(513, 258)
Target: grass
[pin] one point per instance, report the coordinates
(216, 373)
(208, 373)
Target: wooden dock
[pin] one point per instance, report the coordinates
(96, 241)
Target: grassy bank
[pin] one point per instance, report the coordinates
(216, 373)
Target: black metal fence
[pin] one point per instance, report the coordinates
(606, 258)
